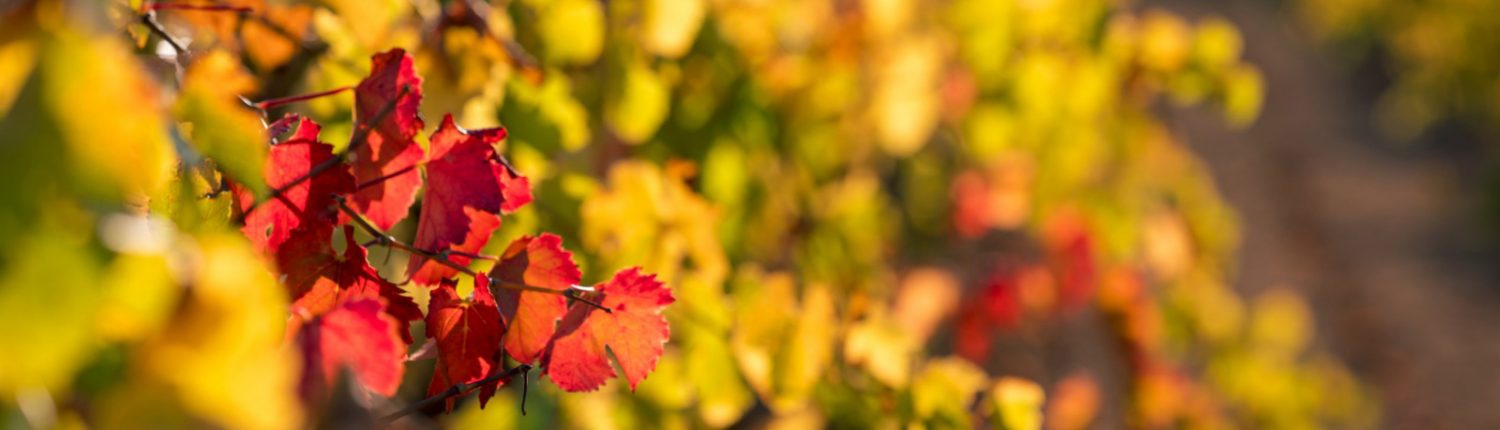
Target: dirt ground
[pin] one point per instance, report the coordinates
(1384, 239)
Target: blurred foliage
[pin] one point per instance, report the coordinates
(1438, 56)
(878, 213)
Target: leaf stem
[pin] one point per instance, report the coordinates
(198, 7)
(273, 103)
(460, 389)
(148, 19)
(385, 239)
(569, 293)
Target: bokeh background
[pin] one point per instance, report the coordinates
(873, 213)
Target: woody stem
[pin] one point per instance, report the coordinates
(458, 390)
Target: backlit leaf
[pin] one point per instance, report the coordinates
(357, 335)
(307, 204)
(319, 280)
(385, 166)
(467, 334)
(469, 186)
(634, 332)
(530, 316)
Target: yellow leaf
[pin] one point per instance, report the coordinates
(572, 31)
(905, 101)
(223, 356)
(139, 293)
(1244, 94)
(89, 99)
(49, 293)
(221, 127)
(638, 104)
(1280, 323)
(1216, 44)
(882, 348)
(1018, 404)
(672, 25)
(942, 392)
(17, 58)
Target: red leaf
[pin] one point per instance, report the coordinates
(309, 204)
(357, 335)
(468, 187)
(467, 335)
(386, 165)
(1070, 249)
(530, 317)
(319, 280)
(997, 309)
(634, 332)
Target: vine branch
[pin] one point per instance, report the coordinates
(265, 105)
(148, 19)
(460, 389)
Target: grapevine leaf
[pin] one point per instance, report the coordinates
(357, 334)
(385, 165)
(531, 317)
(307, 204)
(468, 187)
(634, 331)
(319, 279)
(467, 334)
(222, 128)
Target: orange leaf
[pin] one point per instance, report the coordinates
(635, 332)
(531, 317)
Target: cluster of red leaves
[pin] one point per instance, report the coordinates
(529, 309)
(1063, 283)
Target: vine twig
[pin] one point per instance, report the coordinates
(460, 389)
(155, 6)
(148, 19)
(265, 105)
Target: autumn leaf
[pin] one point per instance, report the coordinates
(468, 187)
(467, 333)
(319, 279)
(307, 204)
(386, 164)
(634, 332)
(360, 335)
(530, 317)
(219, 126)
(1070, 248)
